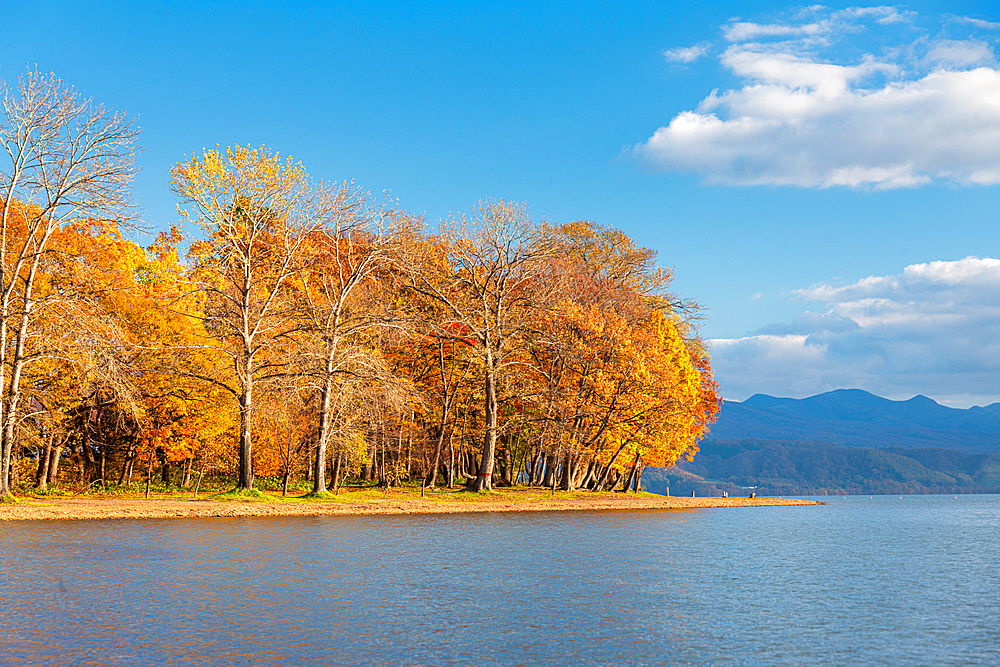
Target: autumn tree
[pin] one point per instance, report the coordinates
(101, 350)
(343, 298)
(66, 158)
(186, 419)
(482, 276)
(614, 373)
(257, 212)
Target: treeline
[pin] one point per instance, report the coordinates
(296, 330)
(784, 467)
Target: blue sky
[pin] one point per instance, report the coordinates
(834, 202)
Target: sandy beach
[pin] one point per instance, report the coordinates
(393, 503)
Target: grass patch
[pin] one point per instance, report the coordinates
(316, 495)
(457, 494)
(53, 492)
(244, 495)
(360, 493)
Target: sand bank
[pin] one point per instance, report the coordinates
(393, 503)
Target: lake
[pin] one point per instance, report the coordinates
(859, 581)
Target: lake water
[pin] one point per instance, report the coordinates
(881, 581)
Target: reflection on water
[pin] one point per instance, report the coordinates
(890, 581)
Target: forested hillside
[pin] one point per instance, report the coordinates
(289, 330)
(782, 467)
(843, 441)
(856, 417)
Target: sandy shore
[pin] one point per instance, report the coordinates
(158, 508)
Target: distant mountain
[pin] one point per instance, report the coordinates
(844, 441)
(856, 418)
(781, 467)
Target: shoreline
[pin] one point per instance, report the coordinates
(35, 509)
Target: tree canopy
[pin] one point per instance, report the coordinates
(291, 331)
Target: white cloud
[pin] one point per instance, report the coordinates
(687, 54)
(960, 53)
(933, 329)
(742, 32)
(925, 111)
(824, 23)
(883, 15)
(978, 23)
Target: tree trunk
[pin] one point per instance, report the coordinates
(383, 472)
(125, 465)
(90, 458)
(607, 471)
(399, 448)
(368, 470)
(548, 479)
(336, 472)
(104, 461)
(484, 480)
(186, 481)
(538, 476)
(245, 481)
(149, 471)
(197, 485)
(517, 466)
(507, 459)
(52, 476)
(451, 458)
(13, 476)
(430, 479)
(631, 475)
(14, 391)
(41, 477)
(319, 466)
(409, 456)
(578, 472)
(568, 472)
(81, 470)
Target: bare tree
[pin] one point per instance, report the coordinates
(66, 158)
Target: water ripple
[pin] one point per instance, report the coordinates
(880, 581)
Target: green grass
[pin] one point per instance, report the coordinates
(411, 493)
(362, 492)
(244, 495)
(49, 493)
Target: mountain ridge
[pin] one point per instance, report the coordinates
(854, 417)
(781, 467)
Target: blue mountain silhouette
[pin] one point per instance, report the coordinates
(855, 417)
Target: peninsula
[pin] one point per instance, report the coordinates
(395, 502)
